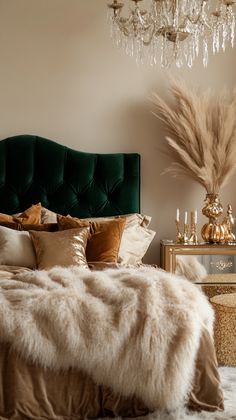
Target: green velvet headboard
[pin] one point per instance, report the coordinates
(34, 169)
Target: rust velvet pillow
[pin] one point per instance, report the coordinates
(42, 227)
(104, 242)
(30, 216)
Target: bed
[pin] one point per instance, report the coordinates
(32, 170)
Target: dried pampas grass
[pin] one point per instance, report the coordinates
(202, 136)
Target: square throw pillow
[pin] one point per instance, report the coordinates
(31, 216)
(16, 248)
(104, 242)
(134, 244)
(63, 248)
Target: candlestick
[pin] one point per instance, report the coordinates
(193, 228)
(179, 235)
(177, 215)
(186, 218)
(195, 217)
(186, 231)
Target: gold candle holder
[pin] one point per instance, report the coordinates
(189, 234)
(182, 237)
(179, 236)
(186, 233)
(193, 239)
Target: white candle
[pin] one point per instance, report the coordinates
(177, 215)
(196, 216)
(186, 218)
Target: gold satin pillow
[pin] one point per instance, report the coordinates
(30, 216)
(104, 243)
(63, 248)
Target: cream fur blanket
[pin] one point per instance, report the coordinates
(135, 330)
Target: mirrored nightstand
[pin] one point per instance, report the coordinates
(211, 266)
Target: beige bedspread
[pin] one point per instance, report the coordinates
(27, 391)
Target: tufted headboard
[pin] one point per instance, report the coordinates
(34, 169)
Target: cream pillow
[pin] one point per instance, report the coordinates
(48, 216)
(134, 244)
(16, 248)
(64, 248)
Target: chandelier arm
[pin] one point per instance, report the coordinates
(125, 24)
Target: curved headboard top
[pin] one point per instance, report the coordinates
(34, 169)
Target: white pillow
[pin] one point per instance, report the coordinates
(16, 248)
(134, 244)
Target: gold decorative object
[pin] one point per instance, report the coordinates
(213, 208)
(225, 328)
(186, 233)
(179, 236)
(173, 30)
(189, 235)
(215, 231)
(193, 229)
(228, 223)
(221, 264)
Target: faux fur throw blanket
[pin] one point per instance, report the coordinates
(134, 330)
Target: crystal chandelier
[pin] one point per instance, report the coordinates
(173, 30)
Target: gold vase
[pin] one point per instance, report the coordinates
(213, 231)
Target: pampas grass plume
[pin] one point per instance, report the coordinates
(202, 135)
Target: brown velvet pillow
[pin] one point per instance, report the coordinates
(11, 225)
(44, 227)
(31, 216)
(104, 243)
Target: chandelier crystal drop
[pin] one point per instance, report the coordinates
(170, 31)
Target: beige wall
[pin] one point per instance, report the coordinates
(61, 77)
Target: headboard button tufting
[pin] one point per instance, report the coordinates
(34, 169)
